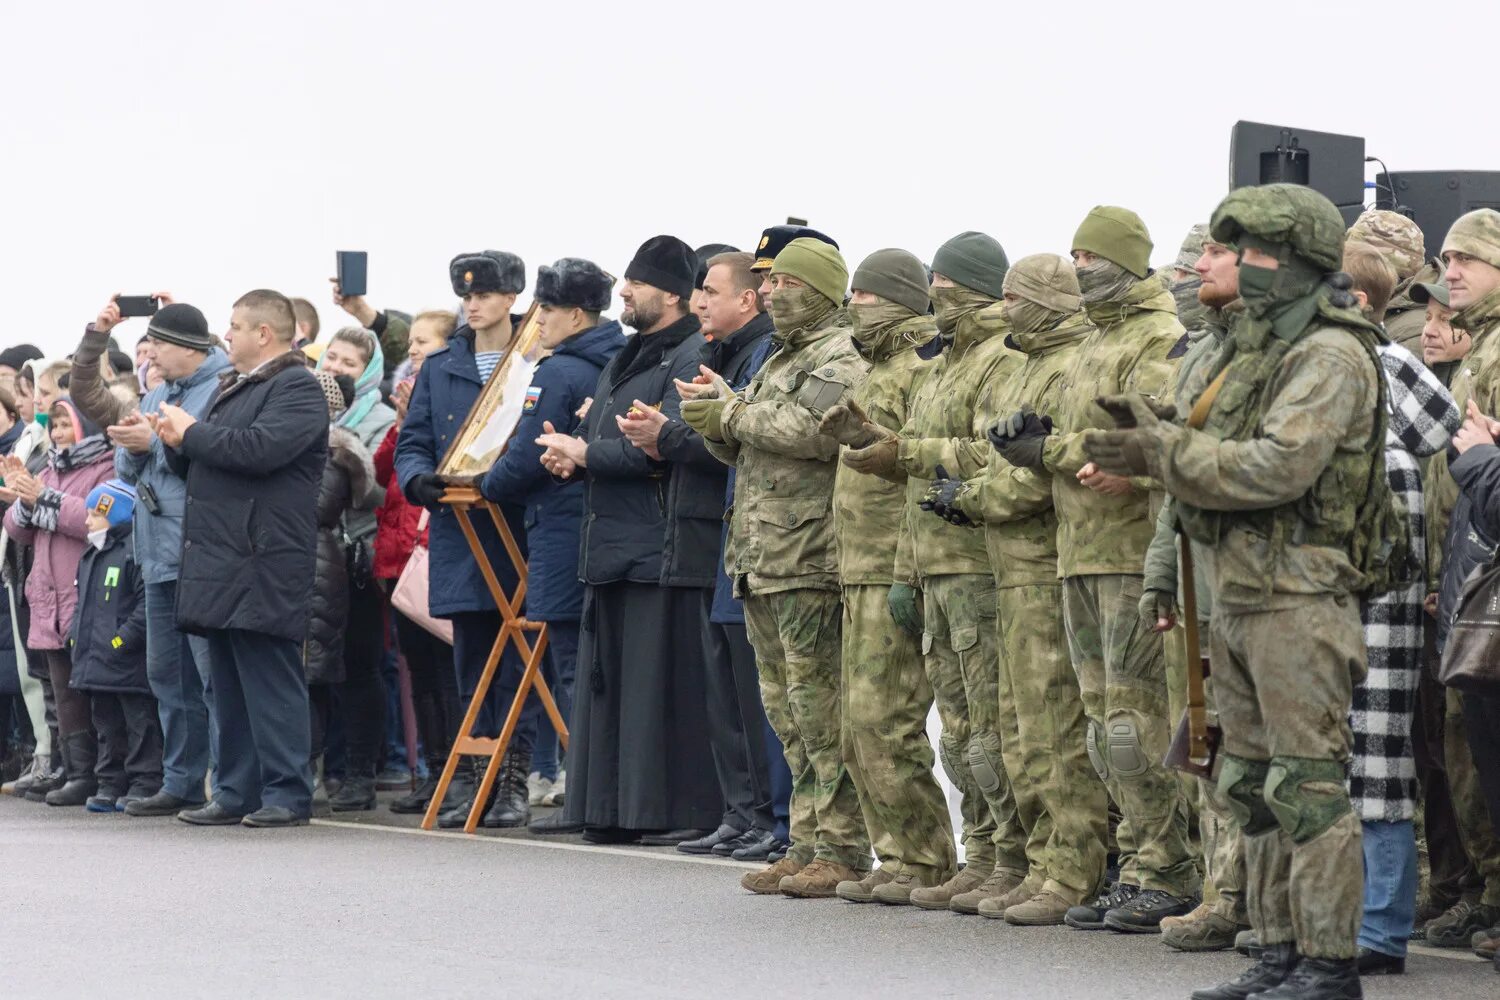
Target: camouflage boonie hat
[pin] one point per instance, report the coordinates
(1477, 234)
(1046, 279)
(1393, 236)
(1191, 250)
(1292, 214)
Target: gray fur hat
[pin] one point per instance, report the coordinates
(573, 281)
(487, 271)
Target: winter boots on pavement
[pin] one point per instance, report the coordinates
(80, 754)
(511, 807)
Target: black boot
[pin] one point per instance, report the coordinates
(1275, 965)
(456, 810)
(357, 793)
(418, 799)
(512, 806)
(51, 776)
(80, 753)
(1319, 979)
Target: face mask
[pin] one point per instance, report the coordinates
(870, 318)
(1027, 317)
(1104, 281)
(1255, 285)
(96, 538)
(951, 304)
(798, 308)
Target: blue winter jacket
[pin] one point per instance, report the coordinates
(554, 507)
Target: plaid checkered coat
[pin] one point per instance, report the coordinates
(1383, 773)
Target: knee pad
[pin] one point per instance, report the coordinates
(1126, 758)
(1097, 748)
(1306, 795)
(986, 764)
(952, 758)
(1242, 782)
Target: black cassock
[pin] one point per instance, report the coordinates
(639, 754)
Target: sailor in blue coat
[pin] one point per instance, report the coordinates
(570, 296)
(446, 389)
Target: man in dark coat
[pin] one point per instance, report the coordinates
(446, 389)
(639, 766)
(570, 296)
(253, 464)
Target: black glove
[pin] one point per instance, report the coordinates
(426, 490)
(940, 496)
(1019, 438)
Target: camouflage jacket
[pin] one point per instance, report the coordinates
(780, 530)
(869, 512)
(1128, 352)
(1477, 378)
(943, 428)
(1015, 505)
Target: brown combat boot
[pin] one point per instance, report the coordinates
(863, 891)
(1000, 882)
(897, 892)
(1045, 909)
(819, 880)
(767, 881)
(937, 897)
(1204, 929)
(995, 906)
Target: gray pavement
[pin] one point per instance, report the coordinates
(105, 906)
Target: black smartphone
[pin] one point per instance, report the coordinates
(353, 271)
(136, 305)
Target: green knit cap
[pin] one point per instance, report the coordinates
(1118, 235)
(895, 275)
(974, 260)
(816, 263)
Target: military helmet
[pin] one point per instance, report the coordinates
(1292, 214)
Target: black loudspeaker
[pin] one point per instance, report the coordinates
(1331, 164)
(1435, 198)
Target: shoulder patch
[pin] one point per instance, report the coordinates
(533, 397)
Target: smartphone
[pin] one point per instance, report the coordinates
(353, 270)
(136, 305)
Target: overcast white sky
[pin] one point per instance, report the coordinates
(210, 148)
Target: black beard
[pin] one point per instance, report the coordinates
(638, 319)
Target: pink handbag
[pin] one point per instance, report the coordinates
(410, 595)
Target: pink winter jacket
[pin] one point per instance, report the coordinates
(51, 587)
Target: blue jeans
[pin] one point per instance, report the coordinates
(177, 670)
(1390, 886)
(558, 667)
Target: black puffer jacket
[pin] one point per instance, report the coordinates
(348, 485)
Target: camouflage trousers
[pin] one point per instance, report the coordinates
(961, 649)
(886, 701)
(1122, 676)
(1283, 683)
(796, 638)
(1059, 802)
(1475, 829)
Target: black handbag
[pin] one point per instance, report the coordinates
(1471, 658)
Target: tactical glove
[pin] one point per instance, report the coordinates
(426, 490)
(940, 497)
(1019, 438)
(847, 423)
(1123, 452)
(1134, 410)
(1155, 605)
(904, 610)
(880, 458)
(705, 416)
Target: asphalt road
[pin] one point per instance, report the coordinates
(106, 906)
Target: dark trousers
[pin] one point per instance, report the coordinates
(736, 721)
(434, 688)
(1452, 873)
(362, 693)
(1482, 718)
(264, 737)
(474, 635)
(73, 712)
(129, 744)
(558, 668)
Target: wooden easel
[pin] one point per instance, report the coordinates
(513, 629)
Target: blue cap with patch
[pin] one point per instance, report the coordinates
(114, 499)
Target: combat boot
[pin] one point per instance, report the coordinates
(938, 897)
(512, 806)
(818, 880)
(1045, 909)
(995, 906)
(863, 891)
(1247, 943)
(1275, 965)
(1089, 916)
(1456, 928)
(1318, 979)
(1000, 882)
(1205, 929)
(767, 881)
(898, 891)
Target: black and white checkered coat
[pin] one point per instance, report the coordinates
(1383, 773)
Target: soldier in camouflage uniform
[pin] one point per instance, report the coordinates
(886, 693)
(1399, 240)
(948, 569)
(1184, 280)
(1104, 528)
(782, 555)
(1281, 485)
(1041, 707)
(1222, 914)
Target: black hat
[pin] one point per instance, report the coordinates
(573, 281)
(15, 357)
(180, 324)
(121, 362)
(664, 262)
(703, 253)
(487, 271)
(775, 239)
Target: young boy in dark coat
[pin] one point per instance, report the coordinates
(108, 643)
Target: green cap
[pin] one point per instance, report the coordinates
(1118, 235)
(816, 263)
(1434, 290)
(896, 275)
(1047, 280)
(974, 260)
